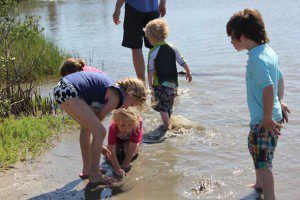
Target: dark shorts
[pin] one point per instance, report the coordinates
(134, 23)
(64, 91)
(261, 147)
(164, 99)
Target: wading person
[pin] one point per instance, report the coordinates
(265, 86)
(137, 14)
(162, 69)
(78, 91)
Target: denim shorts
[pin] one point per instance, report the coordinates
(261, 147)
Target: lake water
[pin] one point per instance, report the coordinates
(218, 159)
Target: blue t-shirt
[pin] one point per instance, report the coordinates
(92, 87)
(262, 71)
(143, 5)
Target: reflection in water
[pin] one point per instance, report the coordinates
(52, 15)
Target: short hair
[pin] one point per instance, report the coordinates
(249, 23)
(72, 65)
(157, 29)
(130, 114)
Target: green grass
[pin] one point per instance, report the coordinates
(28, 137)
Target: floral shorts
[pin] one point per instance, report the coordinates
(64, 91)
(164, 99)
(261, 147)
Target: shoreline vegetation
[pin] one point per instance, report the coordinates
(28, 122)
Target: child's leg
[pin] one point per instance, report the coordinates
(267, 182)
(166, 119)
(84, 115)
(85, 145)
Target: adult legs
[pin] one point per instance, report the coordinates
(139, 63)
(85, 116)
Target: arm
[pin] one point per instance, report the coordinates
(114, 161)
(116, 15)
(284, 107)
(268, 122)
(131, 149)
(181, 61)
(162, 8)
(113, 99)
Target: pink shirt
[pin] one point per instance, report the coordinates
(91, 69)
(135, 136)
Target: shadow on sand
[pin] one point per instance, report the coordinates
(77, 189)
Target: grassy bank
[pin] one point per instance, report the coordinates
(28, 137)
(27, 126)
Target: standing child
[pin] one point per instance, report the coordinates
(162, 70)
(264, 93)
(124, 138)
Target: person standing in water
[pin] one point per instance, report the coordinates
(137, 14)
(162, 69)
(265, 88)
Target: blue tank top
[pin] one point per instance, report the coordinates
(144, 5)
(92, 87)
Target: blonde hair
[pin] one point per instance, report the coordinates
(157, 30)
(130, 114)
(72, 65)
(135, 88)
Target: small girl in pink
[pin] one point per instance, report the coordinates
(72, 65)
(124, 138)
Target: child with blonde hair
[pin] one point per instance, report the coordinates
(162, 70)
(124, 138)
(77, 93)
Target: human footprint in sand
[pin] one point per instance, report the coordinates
(78, 91)
(124, 138)
(162, 69)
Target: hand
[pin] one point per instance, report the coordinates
(105, 151)
(285, 110)
(162, 9)
(270, 126)
(116, 17)
(189, 77)
(120, 172)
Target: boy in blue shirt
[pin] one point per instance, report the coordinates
(137, 14)
(265, 88)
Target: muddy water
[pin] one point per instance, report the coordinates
(189, 164)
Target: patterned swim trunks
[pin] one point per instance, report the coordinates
(261, 147)
(64, 91)
(164, 99)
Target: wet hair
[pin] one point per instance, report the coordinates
(72, 65)
(157, 30)
(135, 88)
(130, 114)
(249, 23)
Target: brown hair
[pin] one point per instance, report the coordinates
(249, 23)
(72, 65)
(157, 30)
(130, 114)
(135, 88)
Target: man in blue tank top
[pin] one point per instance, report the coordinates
(137, 14)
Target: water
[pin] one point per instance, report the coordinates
(193, 165)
